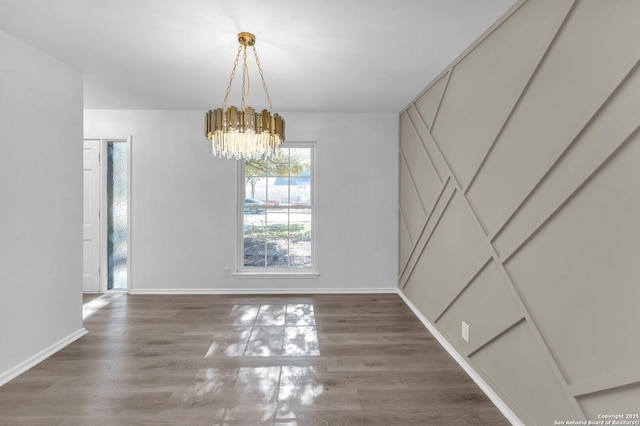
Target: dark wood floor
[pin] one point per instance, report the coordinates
(245, 360)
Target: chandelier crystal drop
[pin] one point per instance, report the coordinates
(243, 133)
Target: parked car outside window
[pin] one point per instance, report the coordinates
(251, 206)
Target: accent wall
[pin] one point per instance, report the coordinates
(520, 207)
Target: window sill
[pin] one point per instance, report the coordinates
(278, 274)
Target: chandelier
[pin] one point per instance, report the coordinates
(243, 133)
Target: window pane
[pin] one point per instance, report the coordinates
(278, 164)
(255, 172)
(300, 238)
(279, 191)
(300, 191)
(254, 239)
(277, 239)
(300, 160)
(255, 190)
(255, 168)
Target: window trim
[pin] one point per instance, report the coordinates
(242, 271)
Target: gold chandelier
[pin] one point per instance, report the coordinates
(244, 133)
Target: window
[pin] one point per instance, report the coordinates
(277, 211)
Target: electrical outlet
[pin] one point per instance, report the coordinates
(227, 272)
(465, 331)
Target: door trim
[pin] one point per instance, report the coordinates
(94, 213)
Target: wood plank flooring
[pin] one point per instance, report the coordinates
(248, 360)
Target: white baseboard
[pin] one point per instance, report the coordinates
(14, 372)
(278, 290)
(484, 386)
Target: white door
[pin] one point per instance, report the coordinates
(91, 217)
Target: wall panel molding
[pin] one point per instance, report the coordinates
(508, 255)
(520, 97)
(582, 68)
(605, 383)
(578, 164)
(584, 296)
(405, 245)
(409, 150)
(446, 84)
(469, 49)
(444, 198)
(411, 205)
(466, 365)
(486, 88)
(508, 328)
(617, 114)
(422, 131)
(429, 102)
(455, 299)
(565, 151)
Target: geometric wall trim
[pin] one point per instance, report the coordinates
(619, 400)
(405, 245)
(415, 251)
(420, 166)
(588, 287)
(520, 207)
(451, 258)
(581, 70)
(615, 126)
(429, 143)
(428, 103)
(410, 204)
(490, 79)
(519, 370)
(487, 291)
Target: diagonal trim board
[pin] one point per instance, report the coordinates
(444, 198)
(567, 149)
(482, 384)
(466, 52)
(612, 149)
(602, 383)
(507, 256)
(519, 99)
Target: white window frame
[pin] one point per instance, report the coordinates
(271, 272)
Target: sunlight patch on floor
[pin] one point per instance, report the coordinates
(95, 305)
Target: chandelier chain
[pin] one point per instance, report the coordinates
(233, 73)
(244, 78)
(264, 83)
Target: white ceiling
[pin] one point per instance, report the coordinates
(317, 55)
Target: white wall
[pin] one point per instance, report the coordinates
(184, 201)
(40, 204)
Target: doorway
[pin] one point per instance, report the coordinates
(106, 259)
